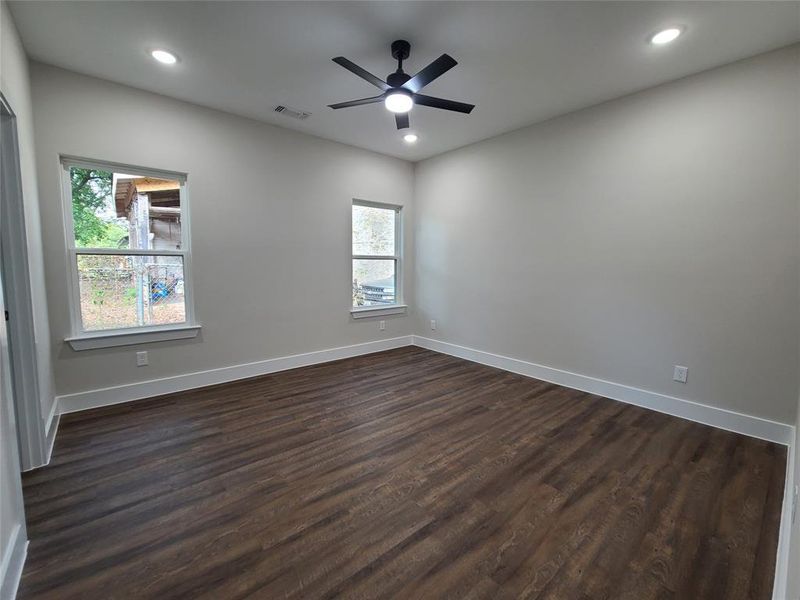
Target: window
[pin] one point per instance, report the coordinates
(376, 258)
(128, 248)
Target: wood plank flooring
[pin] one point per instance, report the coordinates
(403, 474)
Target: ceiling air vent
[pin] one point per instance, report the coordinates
(292, 112)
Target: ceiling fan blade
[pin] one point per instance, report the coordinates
(364, 74)
(438, 67)
(402, 120)
(461, 107)
(360, 102)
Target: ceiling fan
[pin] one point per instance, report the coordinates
(400, 90)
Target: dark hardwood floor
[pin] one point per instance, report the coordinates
(404, 474)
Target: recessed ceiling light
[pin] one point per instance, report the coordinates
(399, 102)
(410, 137)
(162, 56)
(665, 36)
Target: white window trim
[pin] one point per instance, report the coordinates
(362, 312)
(130, 337)
(81, 339)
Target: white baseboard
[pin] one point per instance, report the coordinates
(178, 383)
(50, 440)
(780, 588)
(51, 416)
(50, 430)
(686, 409)
(13, 561)
(46, 440)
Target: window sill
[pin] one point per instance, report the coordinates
(90, 341)
(378, 311)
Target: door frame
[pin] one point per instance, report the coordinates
(19, 299)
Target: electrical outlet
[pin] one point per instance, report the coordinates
(382, 325)
(433, 324)
(141, 359)
(680, 373)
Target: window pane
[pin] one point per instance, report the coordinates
(119, 210)
(373, 230)
(130, 291)
(373, 282)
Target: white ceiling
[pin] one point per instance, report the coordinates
(519, 62)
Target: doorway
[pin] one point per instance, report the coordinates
(18, 313)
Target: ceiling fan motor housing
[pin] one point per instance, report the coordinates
(397, 79)
(400, 49)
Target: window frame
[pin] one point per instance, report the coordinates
(83, 339)
(398, 307)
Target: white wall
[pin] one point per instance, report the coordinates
(270, 226)
(620, 240)
(15, 86)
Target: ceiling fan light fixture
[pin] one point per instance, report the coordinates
(398, 102)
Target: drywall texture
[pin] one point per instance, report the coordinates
(270, 226)
(13, 78)
(15, 86)
(655, 230)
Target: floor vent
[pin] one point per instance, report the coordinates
(292, 112)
